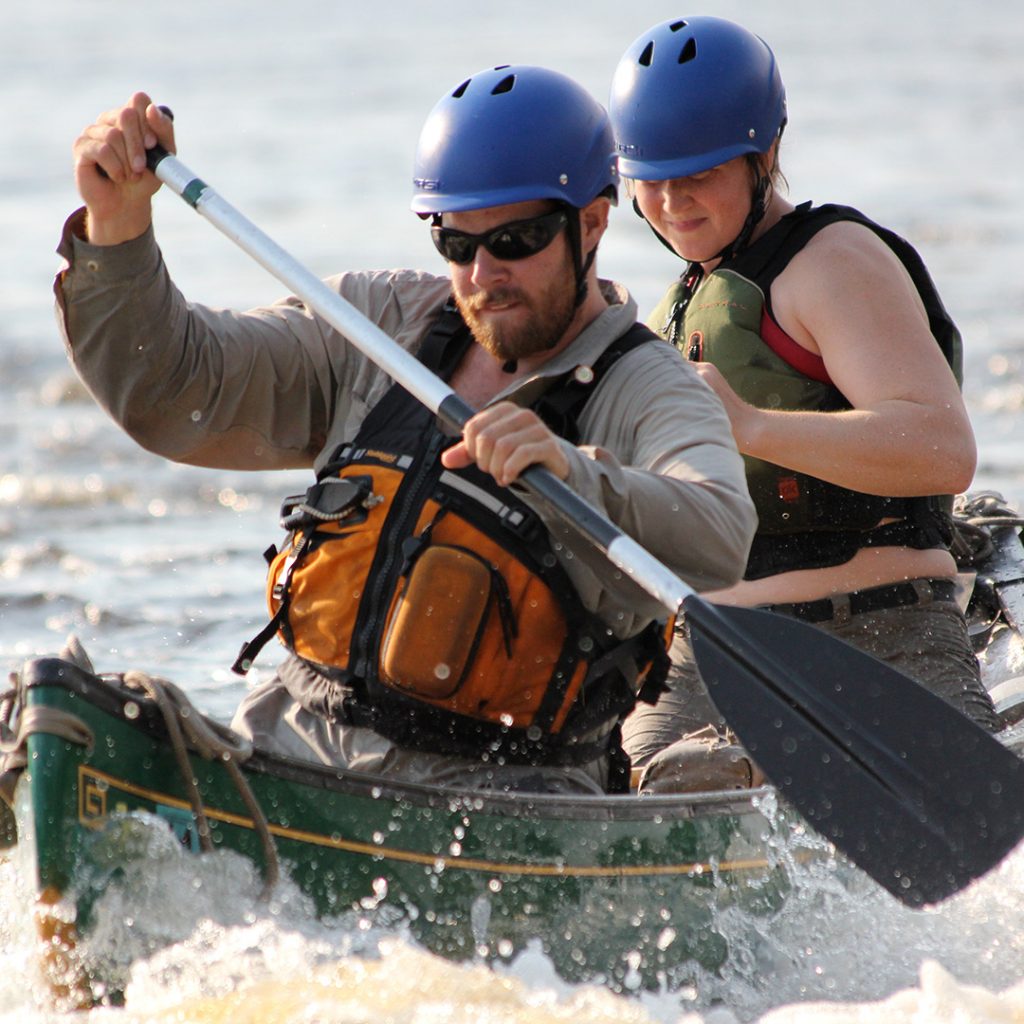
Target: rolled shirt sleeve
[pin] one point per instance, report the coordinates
(278, 387)
(269, 388)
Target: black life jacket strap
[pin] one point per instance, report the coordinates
(928, 525)
(769, 256)
(279, 621)
(251, 648)
(445, 343)
(421, 727)
(561, 405)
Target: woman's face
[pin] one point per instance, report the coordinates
(701, 214)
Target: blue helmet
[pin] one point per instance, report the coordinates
(511, 134)
(693, 93)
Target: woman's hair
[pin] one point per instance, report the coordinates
(760, 167)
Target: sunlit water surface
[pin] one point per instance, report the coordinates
(305, 117)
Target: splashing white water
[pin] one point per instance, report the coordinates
(188, 940)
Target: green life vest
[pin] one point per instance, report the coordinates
(804, 522)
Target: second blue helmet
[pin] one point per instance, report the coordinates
(693, 93)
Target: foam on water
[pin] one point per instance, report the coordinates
(904, 108)
(197, 946)
(187, 938)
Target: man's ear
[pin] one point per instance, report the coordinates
(594, 222)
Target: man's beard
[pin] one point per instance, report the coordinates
(547, 318)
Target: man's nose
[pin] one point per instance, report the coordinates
(487, 268)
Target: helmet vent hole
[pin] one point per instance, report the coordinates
(505, 85)
(689, 50)
(676, 26)
(647, 55)
(461, 89)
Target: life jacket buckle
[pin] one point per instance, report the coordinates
(329, 501)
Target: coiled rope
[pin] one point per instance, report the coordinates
(212, 742)
(186, 726)
(974, 516)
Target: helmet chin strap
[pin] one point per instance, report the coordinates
(654, 231)
(758, 207)
(581, 266)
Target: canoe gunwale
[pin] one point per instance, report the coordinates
(107, 694)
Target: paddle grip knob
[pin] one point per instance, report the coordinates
(157, 153)
(154, 155)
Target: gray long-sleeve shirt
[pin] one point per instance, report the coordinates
(278, 387)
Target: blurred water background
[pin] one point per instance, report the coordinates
(305, 117)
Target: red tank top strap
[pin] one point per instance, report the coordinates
(807, 363)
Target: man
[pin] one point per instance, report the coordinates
(440, 627)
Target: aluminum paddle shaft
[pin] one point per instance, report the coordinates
(403, 367)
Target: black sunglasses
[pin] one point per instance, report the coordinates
(512, 241)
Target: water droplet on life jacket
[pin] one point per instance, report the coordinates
(442, 671)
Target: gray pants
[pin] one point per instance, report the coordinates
(275, 721)
(926, 641)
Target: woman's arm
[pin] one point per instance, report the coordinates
(847, 297)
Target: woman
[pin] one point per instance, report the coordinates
(824, 337)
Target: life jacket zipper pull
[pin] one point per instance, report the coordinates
(506, 613)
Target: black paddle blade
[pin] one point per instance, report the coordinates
(912, 791)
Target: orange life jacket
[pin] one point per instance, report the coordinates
(435, 597)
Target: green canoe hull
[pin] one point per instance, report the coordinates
(602, 882)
